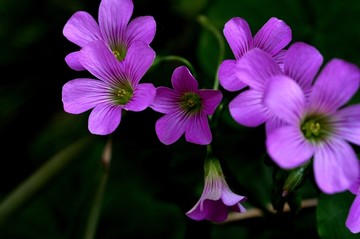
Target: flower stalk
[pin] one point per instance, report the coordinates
(205, 22)
(95, 210)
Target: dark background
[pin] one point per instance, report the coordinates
(150, 186)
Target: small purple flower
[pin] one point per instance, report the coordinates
(353, 218)
(114, 29)
(117, 87)
(186, 109)
(271, 38)
(318, 126)
(217, 199)
(256, 68)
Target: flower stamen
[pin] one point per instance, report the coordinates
(116, 54)
(191, 102)
(123, 94)
(119, 52)
(311, 128)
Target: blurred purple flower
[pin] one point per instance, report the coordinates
(256, 68)
(118, 86)
(353, 218)
(317, 126)
(114, 29)
(217, 199)
(271, 38)
(186, 109)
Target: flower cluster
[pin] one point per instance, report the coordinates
(283, 86)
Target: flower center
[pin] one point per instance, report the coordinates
(119, 52)
(191, 102)
(311, 128)
(315, 128)
(123, 94)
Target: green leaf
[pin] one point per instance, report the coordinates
(331, 215)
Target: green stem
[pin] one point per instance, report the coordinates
(160, 59)
(204, 21)
(39, 179)
(94, 215)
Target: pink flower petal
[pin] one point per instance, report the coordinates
(228, 77)
(285, 99)
(273, 36)
(104, 119)
(238, 34)
(210, 100)
(336, 84)
(183, 81)
(138, 60)
(141, 29)
(288, 148)
(215, 211)
(170, 127)
(165, 101)
(255, 68)
(198, 129)
(355, 186)
(336, 166)
(302, 63)
(80, 95)
(114, 16)
(279, 58)
(142, 98)
(81, 29)
(347, 123)
(247, 109)
(353, 219)
(97, 58)
(196, 213)
(73, 62)
(229, 198)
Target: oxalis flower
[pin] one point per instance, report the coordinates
(274, 35)
(114, 29)
(186, 109)
(319, 126)
(353, 218)
(117, 87)
(301, 63)
(217, 199)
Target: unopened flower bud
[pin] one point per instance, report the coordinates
(294, 179)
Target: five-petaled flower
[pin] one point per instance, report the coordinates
(114, 29)
(186, 109)
(116, 88)
(317, 126)
(256, 68)
(353, 218)
(217, 199)
(271, 38)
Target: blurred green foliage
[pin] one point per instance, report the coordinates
(151, 186)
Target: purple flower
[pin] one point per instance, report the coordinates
(116, 88)
(271, 38)
(113, 28)
(186, 109)
(256, 68)
(217, 199)
(318, 126)
(353, 219)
